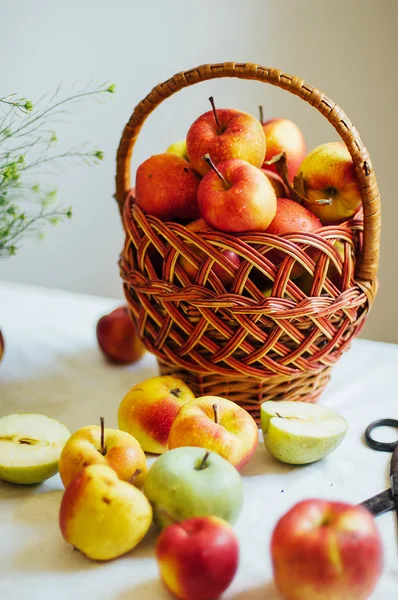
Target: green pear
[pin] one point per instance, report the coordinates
(192, 482)
(30, 447)
(179, 149)
(299, 433)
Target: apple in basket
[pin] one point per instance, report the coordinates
(117, 337)
(198, 558)
(291, 217)
(236, 197)
(103, 516)
(96, 444)
(224, 134)
(280, 188)
(216, 424)
(328, 173)
(178, 148)
(166, 186)
(282, 135)
(192, 271)
(326, 551)
(150, 407)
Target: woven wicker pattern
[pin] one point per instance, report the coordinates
(234, 340)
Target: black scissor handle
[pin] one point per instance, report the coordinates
(376, 445)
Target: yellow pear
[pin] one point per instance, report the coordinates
(103, 516)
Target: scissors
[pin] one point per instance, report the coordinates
(388, 499)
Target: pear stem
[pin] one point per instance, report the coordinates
(135, 475)
(203, 463)
(260, 108)
(103, 449)
(215, 410)
(219, 128)
(211, 164)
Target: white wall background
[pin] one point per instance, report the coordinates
(348, 48)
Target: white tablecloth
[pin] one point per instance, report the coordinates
(52, 365)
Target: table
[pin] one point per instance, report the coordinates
(52, 365)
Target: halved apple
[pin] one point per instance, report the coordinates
(299, 433)
(30, 447)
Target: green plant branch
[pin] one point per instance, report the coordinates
(15, 189)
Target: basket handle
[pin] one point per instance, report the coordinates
(368, 263)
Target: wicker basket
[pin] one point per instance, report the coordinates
(236, 342)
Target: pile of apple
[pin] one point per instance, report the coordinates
(235, 174)
(193, 491)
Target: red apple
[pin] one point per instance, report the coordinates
(166, 187)
(326, 551)
(328, 173)
(283, 135)
(291, 217)
(117, 337)
(191, 270)
(224, 134)
(216, 424)
(236, 197)
(198, 558)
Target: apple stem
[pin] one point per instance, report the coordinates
(103, 449)
(203, 463)
(260, 108)
(215, 410)
(211, 164)
(219, 128)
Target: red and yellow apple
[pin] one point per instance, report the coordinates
(191, 270)
(326, 551)
(225, 134)
(150, 407)
(291, 217)
(198, 558)
(118, 338)
(236, 197)
(103, 516)
(328, 173)
(166, 186)
(216, 424)
(283, 135)
(96, 445)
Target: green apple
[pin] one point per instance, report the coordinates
(192, 482)
(179, 149)
(299, 433)
(30, 447)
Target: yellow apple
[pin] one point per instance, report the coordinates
(93, 445)
(179, 149)
(149, 408)
(216, 424)
(103, 516)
